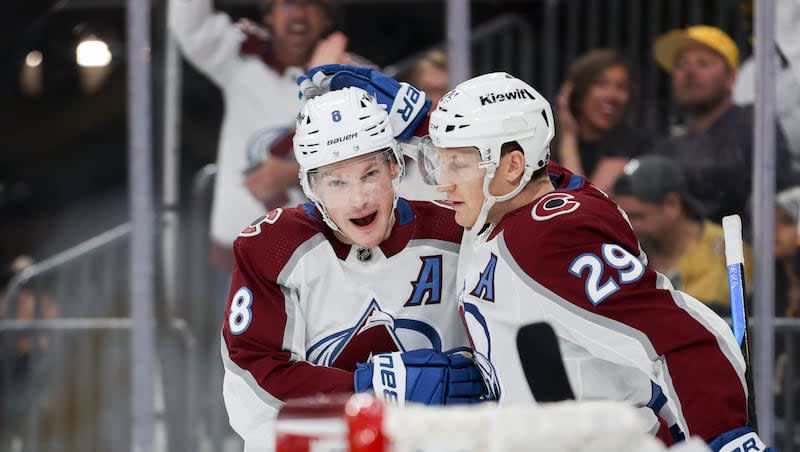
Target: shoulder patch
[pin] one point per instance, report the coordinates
(255, 228)
(554, 204)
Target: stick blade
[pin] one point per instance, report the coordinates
(541, 361)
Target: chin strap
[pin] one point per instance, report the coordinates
(489, 200)
(325, 217)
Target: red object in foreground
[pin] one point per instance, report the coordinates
(365, 424)
(331, 423)
(291, 442)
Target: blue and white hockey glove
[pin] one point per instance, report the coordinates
(739, 439)
(407, 106)
(422, 376)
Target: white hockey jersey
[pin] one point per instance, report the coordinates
(570, 258)
(304, 308)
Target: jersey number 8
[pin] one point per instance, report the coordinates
(240, 314)
(629, 269)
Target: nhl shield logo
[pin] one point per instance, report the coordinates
(364, 254)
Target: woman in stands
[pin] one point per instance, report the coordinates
(593, 137)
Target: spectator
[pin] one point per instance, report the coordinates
(28, 305)
(787, 77)
(669, 224)
(430, 74)
(256, 70)
(24, 349)
(716, 153)
(787, 289)
(787, 293)
(593, 138)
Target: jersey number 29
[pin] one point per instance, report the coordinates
(629, 269)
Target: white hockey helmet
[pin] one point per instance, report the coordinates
(488, 111)
(338, 126)
(491, 110)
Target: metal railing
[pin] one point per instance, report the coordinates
(65, 341)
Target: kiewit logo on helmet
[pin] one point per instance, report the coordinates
(517, 94)
(344, 138)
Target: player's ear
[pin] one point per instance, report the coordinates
(394, 168)
(515, 165)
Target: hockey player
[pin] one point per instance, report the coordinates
(318, 288)
(543, 244)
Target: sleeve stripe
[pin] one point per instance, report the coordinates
(727, 347)
(297, 255)
(247, 377)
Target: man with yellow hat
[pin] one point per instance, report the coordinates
(716, 152)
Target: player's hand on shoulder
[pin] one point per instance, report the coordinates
(407, 105)
(422, 376)
(739, 439)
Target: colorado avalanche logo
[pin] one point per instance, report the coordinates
(375, 332)
(554, 204)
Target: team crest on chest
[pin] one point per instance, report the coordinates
(374, 332)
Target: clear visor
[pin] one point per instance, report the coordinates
(355, 182)
(448, 166)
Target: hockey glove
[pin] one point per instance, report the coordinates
(407, 106)
(422, 376)
(739, 439)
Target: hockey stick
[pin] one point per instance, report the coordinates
(734, 256)
(542, 364)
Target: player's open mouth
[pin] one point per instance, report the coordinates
(365, 221)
